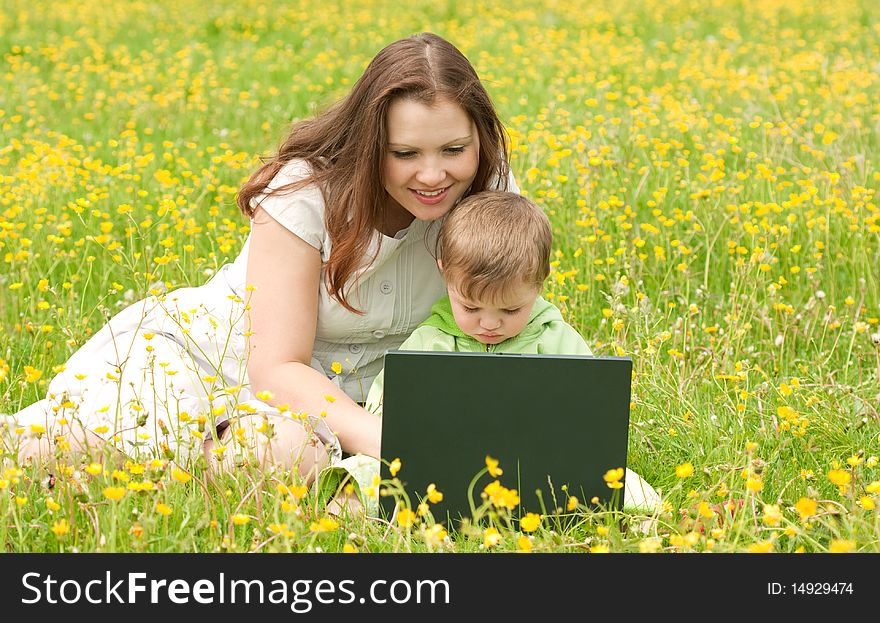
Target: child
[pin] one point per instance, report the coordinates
(494, 254)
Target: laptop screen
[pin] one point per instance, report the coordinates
(555, 424)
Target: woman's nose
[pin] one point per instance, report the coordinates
(431, 176)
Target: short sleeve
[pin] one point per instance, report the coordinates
(301, 211)
(512, 186)
(511, 182)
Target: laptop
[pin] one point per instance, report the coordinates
(555, 424)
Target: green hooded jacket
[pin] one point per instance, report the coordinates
(545, 333)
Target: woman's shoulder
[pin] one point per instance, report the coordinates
(293, 171)
(297, 204)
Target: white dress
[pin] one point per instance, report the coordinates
(161, 372)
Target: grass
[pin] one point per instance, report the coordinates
(709, 169)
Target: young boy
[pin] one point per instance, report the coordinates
(494, 253)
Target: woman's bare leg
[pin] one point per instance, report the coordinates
(270, 440)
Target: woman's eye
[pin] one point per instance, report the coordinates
(459, 149)
(403, 155)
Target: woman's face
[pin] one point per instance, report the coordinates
(432, 156)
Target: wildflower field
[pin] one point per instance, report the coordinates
(710, 170)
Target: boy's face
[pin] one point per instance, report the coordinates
(493, 321)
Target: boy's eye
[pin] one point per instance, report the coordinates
(512, 311)
(403, 155)
(471, 310)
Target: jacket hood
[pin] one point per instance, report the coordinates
(543, 313)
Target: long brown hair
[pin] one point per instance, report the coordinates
(346, 145)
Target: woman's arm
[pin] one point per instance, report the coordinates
(286, 272)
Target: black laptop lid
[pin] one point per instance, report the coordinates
(557, 417)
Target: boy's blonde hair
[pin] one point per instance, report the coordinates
(492, 241)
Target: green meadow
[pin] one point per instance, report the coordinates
(710, 170)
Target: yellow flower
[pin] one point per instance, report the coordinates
(684, 470)
(294, 491)
(435, 534)
(524, 544)
(492, 466)
(336, 367)
(265, 395)
(348, 548)
(163, 509)
(600, 549)
(239, 520)
(118, 474)
(94, 468)
(434, 496)
(867, 503)
(32, 375)
(491, 537)
(612, 478)
(874, 487)
(500, 496)
(60, 528)
(530, 522)
(761, 547)
(21, 500)
(685, 540)
(807, 507)
(52, 505)
(38, 429)
(324, 524)
(840, 477)
(180, 476)
(772, 514)
(114, 493)
(613, 474)
(841, 546)
(754, 484)
(572, 503)
(405, 517)
(394, 467)
(705, 510)
(145, 485)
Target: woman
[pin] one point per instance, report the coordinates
(285, 342)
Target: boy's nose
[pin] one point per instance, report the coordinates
(490, 324)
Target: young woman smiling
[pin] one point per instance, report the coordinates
(273, 357)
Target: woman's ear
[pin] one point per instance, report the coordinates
(440, 264)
